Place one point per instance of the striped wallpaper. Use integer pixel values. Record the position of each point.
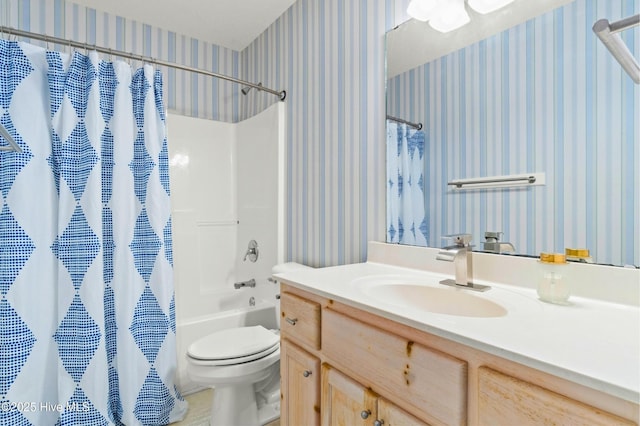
(185, 93)
(545, 96)
(327, 54)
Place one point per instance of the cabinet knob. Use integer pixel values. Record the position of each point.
(378, 423)
(291, 321)
(365, 414)
(306, 373)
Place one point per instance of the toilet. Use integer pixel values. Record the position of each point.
(243, 365)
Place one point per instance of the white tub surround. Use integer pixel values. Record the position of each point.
(594, 342)
(227, 185)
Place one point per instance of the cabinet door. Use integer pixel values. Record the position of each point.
(392, 415)
(345, 402)
(300, 386)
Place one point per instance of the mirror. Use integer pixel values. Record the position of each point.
(526, 89)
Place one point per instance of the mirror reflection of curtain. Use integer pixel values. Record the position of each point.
(406, 219)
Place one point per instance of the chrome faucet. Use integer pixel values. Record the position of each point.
(249, 283)
(457, 254)
(493, 243)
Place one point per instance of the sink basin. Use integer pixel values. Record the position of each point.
(449, 301)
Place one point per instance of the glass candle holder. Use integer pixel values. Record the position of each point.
(552, 285)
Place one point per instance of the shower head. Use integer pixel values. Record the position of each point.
(246, 89)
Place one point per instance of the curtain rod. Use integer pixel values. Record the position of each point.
(282, 94)
(607, 33)
(417, 126)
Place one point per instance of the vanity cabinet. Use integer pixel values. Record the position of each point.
(389, 372)
(299, 360)
(346, 402)
(508, 400)
(428, 383)
(368, 374)
(300, 377)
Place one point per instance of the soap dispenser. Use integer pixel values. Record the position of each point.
(552, 285)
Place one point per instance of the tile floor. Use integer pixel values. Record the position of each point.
(200, 410)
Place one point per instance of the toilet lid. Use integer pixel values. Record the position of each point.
(235, 345)
(236, 361)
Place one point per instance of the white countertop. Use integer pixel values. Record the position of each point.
(590, 342)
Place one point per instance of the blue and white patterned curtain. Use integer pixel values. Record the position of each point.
(406, 219)
(87, 323)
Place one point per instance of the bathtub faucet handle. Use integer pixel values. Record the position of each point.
(252, 251)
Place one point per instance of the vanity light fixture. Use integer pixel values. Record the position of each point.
(451, 16)
(448, 15)
(423, 10)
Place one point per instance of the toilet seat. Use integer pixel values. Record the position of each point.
(234, 346)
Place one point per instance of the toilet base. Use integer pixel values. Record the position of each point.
(268, 413)
(234, 405)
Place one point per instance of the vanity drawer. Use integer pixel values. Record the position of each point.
(509, 400)
(430, 384)
(300, 319)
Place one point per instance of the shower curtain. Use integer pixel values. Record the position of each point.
(87, 323)
(406, 218)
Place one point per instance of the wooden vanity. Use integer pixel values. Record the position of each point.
(341, 365)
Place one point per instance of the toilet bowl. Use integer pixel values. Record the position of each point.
(243, 366)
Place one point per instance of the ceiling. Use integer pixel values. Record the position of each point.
(229, 23)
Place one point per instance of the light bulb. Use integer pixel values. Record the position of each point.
(423, 10)
(451, 16)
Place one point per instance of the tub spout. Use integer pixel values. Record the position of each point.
(249, 283)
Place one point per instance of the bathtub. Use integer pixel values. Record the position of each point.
(264, 314)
